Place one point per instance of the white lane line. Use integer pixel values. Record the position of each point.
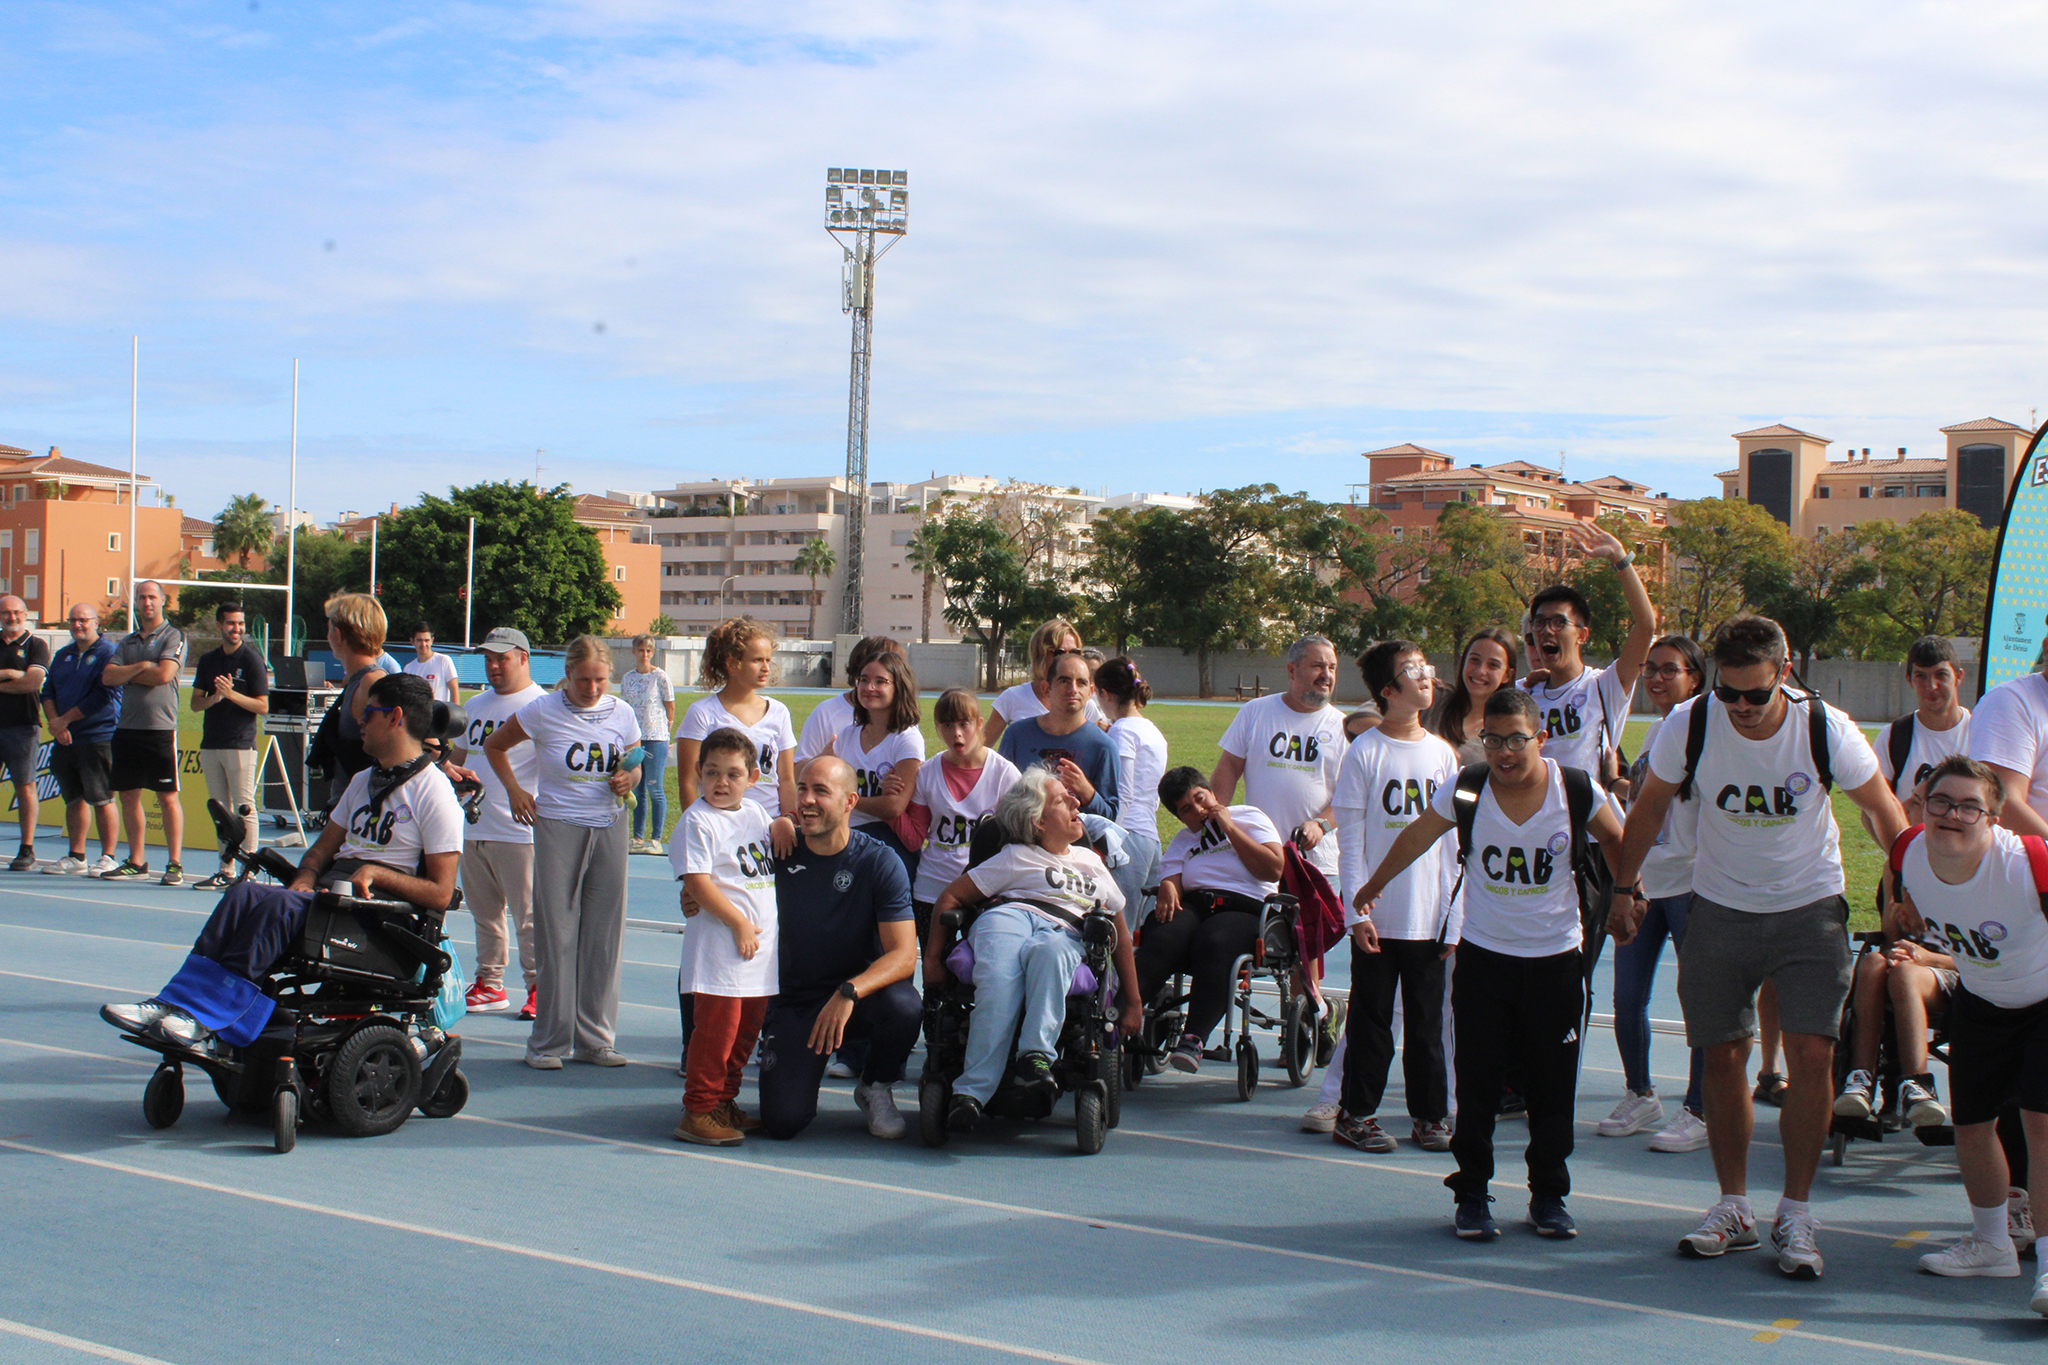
(1227, 1243)
(66, 981)
(103, 938)
(557, 1258)
(469, 1038)
(79, 1344)
(1394, 1169)
(74, 1052)
(98, 900)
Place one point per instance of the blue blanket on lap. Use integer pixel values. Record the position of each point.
(232, 1006)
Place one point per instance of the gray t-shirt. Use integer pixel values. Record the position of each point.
(144, 707)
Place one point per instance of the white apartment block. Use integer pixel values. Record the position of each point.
(729, 546)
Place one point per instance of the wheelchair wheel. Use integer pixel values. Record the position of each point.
(1298, 1040)
(447, 1101)
(373, 1082)
(163, 1099)
(1838, 1147)
(1133, 1066)
(1091, 1117)
(1109, 1073)
(933, 1096)
(1247, 1068)
(284, 1120)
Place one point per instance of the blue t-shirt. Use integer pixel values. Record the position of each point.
(827, 908)
(74, 682)
(1093, 752)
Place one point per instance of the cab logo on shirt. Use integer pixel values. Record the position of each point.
(1406, 796)
(371, 828)
(1514, 866)
(1294, 748)
(1756, 806)
(1563, 720)
(479, 731)
(1074, 883)
(868, 782)
(755, 860)
(593, 758)
(1979, 944)
(951, 831)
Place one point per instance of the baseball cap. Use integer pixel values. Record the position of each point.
(505, 638)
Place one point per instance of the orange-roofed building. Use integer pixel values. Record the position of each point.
(64, 533)
(632, 560)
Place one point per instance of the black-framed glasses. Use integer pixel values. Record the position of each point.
(1964, 812)
(1665, 670)
(1755, 696)
(1553, 622)
(1514, 744)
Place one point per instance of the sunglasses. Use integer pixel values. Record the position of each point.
(1755, 696)
(1964, 812)
(369, 711)
(1514, 744)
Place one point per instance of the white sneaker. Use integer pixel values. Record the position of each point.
(1633, 1115)
(107, 863)
(636, 845)
(1321, 1118)
(70, 865)
(654, 846)
(1796, 1237)
(1858, 1097)
(1972, 1257)
(2019, 1219)
(838, 1070)
(878, 1102)
(1685, 1133)
(2039, 1303)
(1725, 1228)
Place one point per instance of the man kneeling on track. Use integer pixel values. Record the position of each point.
(1216, 875)
(396, 834)
(1977, 886)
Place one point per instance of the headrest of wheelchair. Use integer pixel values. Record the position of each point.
(985, 842)
(450, 722)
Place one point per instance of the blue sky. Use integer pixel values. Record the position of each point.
(1167, 246)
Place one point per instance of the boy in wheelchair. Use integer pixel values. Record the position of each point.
(1048, 905)
(1916, 982)
(395, 835)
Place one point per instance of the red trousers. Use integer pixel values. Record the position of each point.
(723, 1029)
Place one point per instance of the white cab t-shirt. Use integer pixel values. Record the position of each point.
(871, 766)
(1991, 924)
(1767, 839)
(1204, 859)
(421, 817)
(1140, 763)
(731, 847)
(1021, 703)
(1075, 881)
(1519, 894)
(577, 751)
(1382, 786)
(1290, 765)
(487, 710)
(952, 827)
(1667, 867)
(439, 672)
(827, 719)
(1583, 718)
(773, 735)
(1928, 748)
(2009, 728)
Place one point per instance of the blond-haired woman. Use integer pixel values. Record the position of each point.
(582, 739)
(355, 633)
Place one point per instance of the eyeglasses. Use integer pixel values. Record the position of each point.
(1514, 744)
(1965, 812)
(1419, 672)
(369, 711)
(1755, 696)
(1665, 670)
(1552, 623)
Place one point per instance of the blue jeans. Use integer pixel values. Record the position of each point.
(1023, 965)
(1635, 971)
(653, 794)
(1134, 876)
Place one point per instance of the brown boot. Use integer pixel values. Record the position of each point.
(732, 1116)
(709, 1130)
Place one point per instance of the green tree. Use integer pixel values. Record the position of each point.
(988, 593)
(243, 529)
(1804, 591)
(662, 624)
(1719, 542)
(536, 569)
(1600, 585)
(815, 560)
(919, 555)
(1472, 576)
(1930, 576)
(1117, 601)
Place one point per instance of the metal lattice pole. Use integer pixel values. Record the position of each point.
(862, 204)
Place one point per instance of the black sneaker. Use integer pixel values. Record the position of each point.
(1474, 1221)
(1547, 1216)
(964, 1114)
(125, 871)
(1920, 1102)
(23, 860)
(174, 874)
(1032, 1075)
(1513, 1103)
(219, 881)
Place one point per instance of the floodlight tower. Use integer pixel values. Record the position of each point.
(860, 206)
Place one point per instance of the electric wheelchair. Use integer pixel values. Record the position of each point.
(1086, 1064)
(366, 995)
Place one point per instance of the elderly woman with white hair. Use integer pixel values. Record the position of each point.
(1027, 942)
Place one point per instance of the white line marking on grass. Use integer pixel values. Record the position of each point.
(79, 1344)
(556, 1258)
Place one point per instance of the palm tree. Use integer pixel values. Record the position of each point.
(243, 528)
(815, 560)
(918, 554)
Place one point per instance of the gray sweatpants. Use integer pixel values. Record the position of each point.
(497, 878)
(579, 931)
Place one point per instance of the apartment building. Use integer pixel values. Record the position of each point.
(631, 560)
(64, 533)
(1411, 485)
(1790, 474)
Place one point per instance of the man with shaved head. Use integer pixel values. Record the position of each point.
(849, 946)
(146, 665)
(24, 662)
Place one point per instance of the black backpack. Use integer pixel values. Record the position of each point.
(1816, 736)
(1900, 744)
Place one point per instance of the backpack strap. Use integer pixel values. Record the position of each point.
(1900, 744)
(1695, 742)
(1465, 805)
(1578, 804)
(1817, 739)
(2037, 858)
(1912, 832)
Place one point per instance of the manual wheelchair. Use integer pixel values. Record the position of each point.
(1086, 1062)
(1885, 1117)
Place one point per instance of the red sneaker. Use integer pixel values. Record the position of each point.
(527, 1011)
(482, 999)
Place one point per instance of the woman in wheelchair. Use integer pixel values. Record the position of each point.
(1027, 942)
(395, 835)
(1218, 872)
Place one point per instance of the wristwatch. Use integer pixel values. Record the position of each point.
(1625, 561)
(850, 991)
